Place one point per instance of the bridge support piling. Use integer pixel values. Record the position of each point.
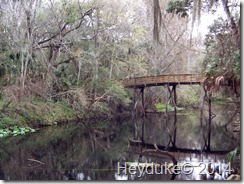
(134, 101)
(143, 131)
(168, 98)
(169, 95)
(143, 102)
(206, 97)
(167, 114)
(203, 96)
(175, 114)
(209, 121)
(134, 115)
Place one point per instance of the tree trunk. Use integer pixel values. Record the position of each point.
(233, 24)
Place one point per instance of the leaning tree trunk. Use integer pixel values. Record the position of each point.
(234, 25)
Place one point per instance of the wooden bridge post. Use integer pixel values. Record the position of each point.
(166, 114)
(142, 101)
(203, 96)
(175, 95)
(143, 131)
(209, 121)
(168, 96)
(135, 129)
(175, 114)
(134, 115)
(134, 101)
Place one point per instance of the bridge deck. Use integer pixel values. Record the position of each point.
(160, 80)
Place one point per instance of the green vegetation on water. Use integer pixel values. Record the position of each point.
(15, 131)
(161, 107)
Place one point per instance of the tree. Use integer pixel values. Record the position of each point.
(231, 7)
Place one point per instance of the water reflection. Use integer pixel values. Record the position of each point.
(91, 150)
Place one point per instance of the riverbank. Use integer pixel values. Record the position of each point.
(34, 113)
(37, 113)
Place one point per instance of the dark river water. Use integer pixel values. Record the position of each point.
(91, 150)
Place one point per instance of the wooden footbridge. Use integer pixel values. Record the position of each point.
(170, 81)
(161, 80)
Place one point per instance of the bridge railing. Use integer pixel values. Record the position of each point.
(164, 79)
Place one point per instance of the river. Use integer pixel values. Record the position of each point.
(91, 150)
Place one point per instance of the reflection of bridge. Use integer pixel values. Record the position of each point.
(170, 81)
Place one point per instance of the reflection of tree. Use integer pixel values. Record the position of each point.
(92, 151)
(66, 152)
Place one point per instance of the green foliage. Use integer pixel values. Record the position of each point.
(114, 96)
(234, 158)
(220, 47)
(219, 99)
(102, 108)
(34, 113)
(161, 107)
(84, 52)
(180, 7)
(15, 131)
(72, 11)
(66, 76)
(117, 93)
(188, 95)
(233, 155)
(49, 112)
(6, 121)
(237, 64)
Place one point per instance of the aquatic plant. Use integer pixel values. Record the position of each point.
(15, 131)
(161, 107)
